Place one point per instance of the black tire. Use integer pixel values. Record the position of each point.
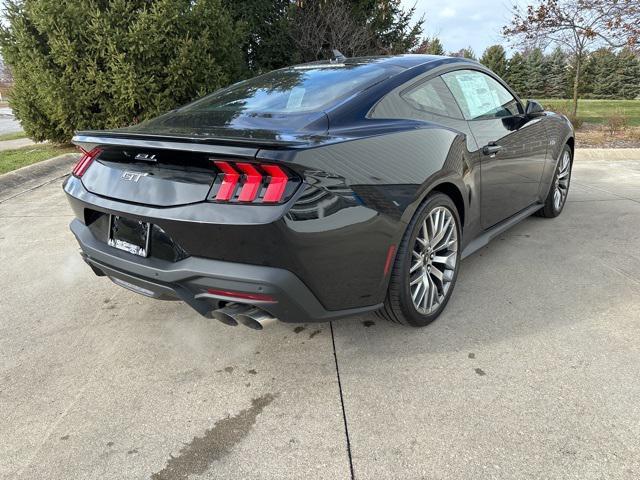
(398, 305)
(550, 208)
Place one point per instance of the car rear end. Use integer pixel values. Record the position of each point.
(212, 228)
(234, 203)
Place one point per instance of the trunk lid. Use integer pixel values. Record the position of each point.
(162, 178)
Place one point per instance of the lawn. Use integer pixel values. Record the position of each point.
(598, 111)
(14, 159)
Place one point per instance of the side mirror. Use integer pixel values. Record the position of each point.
(533, 108)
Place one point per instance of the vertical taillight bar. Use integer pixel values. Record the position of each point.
(229, 181)
(277, 185)
(252, 182)
(85, 162)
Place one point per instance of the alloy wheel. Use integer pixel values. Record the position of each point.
(434, 260)
(562, 181)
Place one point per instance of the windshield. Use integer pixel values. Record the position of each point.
(292, 90)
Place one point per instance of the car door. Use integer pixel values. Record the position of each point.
(512, 146)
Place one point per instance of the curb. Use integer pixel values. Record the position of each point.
(33, 176)
(586, 154)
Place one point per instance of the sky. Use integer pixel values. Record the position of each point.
(463, 23)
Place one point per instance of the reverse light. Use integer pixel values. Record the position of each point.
(85, 162)
(258, 297)
(243, 182)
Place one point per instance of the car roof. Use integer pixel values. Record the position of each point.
(404, 61)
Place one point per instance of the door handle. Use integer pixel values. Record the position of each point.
(491, 149)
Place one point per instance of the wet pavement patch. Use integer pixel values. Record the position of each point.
(196, 457)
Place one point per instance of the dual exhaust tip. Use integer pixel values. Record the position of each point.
(249, 316)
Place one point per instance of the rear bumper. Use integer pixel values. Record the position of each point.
(190, 279)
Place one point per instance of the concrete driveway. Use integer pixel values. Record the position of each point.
(532, 372)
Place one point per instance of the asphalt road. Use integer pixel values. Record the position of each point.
(532, 372)
(8, 123)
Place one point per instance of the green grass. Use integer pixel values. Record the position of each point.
(21, 157)
(12, 136)
(597, 111)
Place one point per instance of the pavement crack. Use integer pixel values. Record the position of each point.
(622, 197)
(344, 412)
(198, 455)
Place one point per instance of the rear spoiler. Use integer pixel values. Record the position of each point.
(87, 140)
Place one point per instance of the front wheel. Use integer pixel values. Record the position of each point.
(557, 197)
(426, 266)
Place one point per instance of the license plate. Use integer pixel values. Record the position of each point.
(129, 235)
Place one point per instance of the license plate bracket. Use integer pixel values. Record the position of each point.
(129, 235)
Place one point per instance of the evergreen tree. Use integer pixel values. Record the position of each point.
(601, 78)
(465, 53)
(267, 44)
(628, 70)
(495, 59)
(92, 64)
(390, 26)
(430, 46)
(517, 73)
(555, 84)
(536, 72)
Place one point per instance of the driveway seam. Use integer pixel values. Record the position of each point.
(344, 412)
(606, 191)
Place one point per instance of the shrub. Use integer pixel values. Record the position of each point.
(616, 123)
(564, 108)
(91, 64)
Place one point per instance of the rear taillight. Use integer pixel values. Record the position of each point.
(85, 162)
(242, 182)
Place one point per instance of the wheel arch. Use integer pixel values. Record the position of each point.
(572, 144)
(448, 186)
(453, 192)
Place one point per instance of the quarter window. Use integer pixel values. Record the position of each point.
(433, 96)
(480, 96)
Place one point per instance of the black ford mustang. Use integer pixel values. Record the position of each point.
(319, 191)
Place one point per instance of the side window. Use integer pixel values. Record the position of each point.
(433, 96)
(480, 96)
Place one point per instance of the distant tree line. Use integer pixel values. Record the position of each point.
(606, 73)
(578, 27)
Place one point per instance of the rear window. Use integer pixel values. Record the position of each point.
(295, 89)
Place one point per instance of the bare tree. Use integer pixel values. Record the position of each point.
(577, 26)
(320, 26)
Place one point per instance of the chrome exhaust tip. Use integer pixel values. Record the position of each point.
(227, 313)
(255, 319)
